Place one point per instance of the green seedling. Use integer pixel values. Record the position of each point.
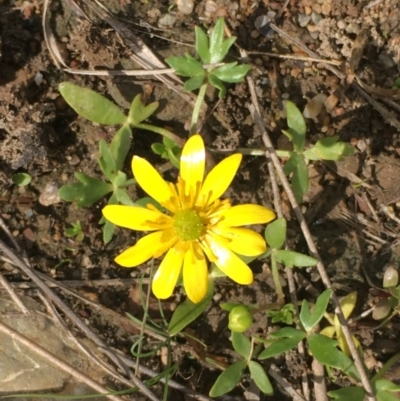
(168, 150)
(325, 149)
(396, 84)
(98, 109)
(275, 235)
(211, 50)
(21, 179)
(231, 376)
(324, 349)
(76, 230)
(284, 315)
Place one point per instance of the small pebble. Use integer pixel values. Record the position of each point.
(185, 6)
(317, 8)
(73, 160)
(217, 297)
(304, 20)
(353, 28)
(314, 106)
(49, 196)
(167, 20)
(341, 24)
(316, 18)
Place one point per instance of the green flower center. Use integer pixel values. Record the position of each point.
(188, 225)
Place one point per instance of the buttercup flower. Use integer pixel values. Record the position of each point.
(198, 225)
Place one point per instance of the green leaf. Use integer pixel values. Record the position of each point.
(21, 179)
(241, 344)
(297, 124)
(186, 66)
(159, 149)
(228, 379)
(231, 73)
(108, 231)
(91, 105)
(106, 161)
(194, 83)
(187, 311)
(202, 45)
(275, 233)
(309, 320)
(120, 145)
(138, 112)
(218, 47)
(217, 83)
(259, 376)
(299, 179)
(348, 393)
(325, 351)
(287, 338)
(331, 149)
(291, 258)
(85, 192)
(122, 197)
(386, 396)
(386, 385)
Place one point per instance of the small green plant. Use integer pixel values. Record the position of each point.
(76, 230)
(231, 376)
(325, 149)
(396, 84)
(21, 179)
(211, 50)
(275, 235)
(168, 150)
(98, 109)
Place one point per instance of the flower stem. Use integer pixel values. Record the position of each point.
(197, 107)
(276, 279)
(161, 131)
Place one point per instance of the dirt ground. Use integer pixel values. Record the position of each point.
(42, 136)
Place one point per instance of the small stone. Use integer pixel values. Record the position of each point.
(316, 18)
(307, 10)
(353, 28)
(341, 24)
(361, 145)
(317, 8)
(50, 196)
(304, 20)
(326, 8)
(185, 6)
(353, 12)
(314, 106)
(331, 102)
(217, 297)
(73, 160)
(167, 20)
(386, 60)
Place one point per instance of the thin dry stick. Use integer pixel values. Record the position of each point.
(278, 208)
(14, 296)
(273, 372)
(65, 367)
(314, 251)
(17, 261)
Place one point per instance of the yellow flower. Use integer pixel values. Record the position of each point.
(198, 224)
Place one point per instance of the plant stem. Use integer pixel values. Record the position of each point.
(197, 107)
(161, 131)
(277, 282)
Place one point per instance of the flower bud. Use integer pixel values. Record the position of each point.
(240, 319)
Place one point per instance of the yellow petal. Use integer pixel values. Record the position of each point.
(193, 164)
(195, 273)
(167, 275)
(242, 240)
(151, 181)
(328, 331)
(142, 251)
(242, 215)
(136, 218)
(229, 263)
(219, 179)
